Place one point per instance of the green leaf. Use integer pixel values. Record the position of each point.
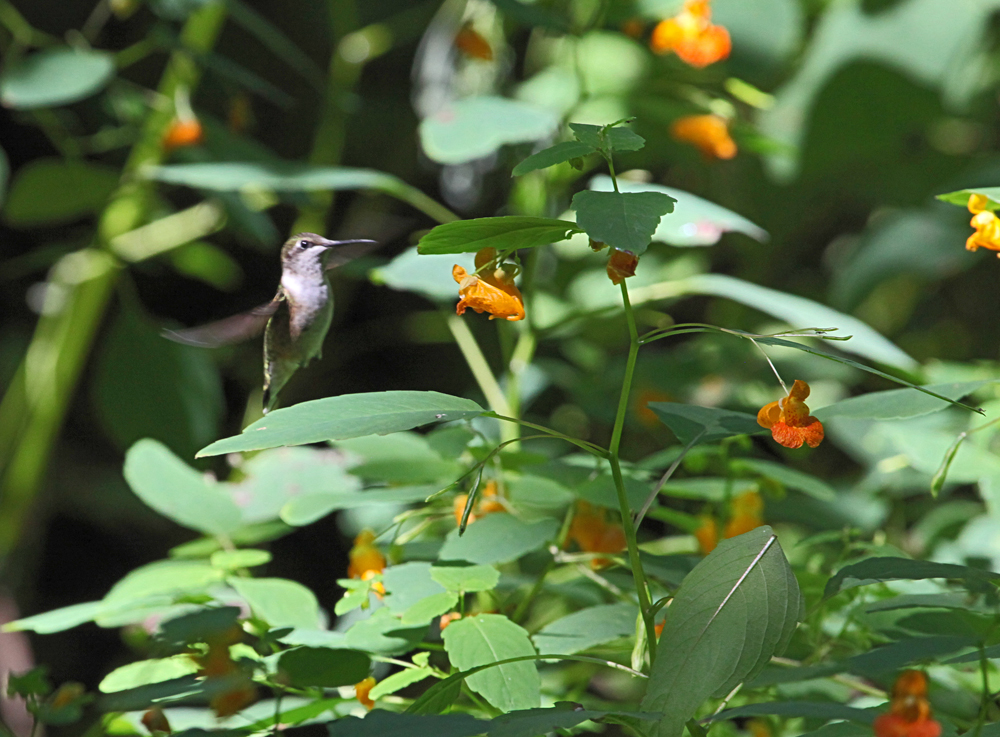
(174, 489)
(809, 709)
(231, 560)
(57, 620)
(279, 602)
(54, 77)
(881, 661)
(323, 667)
(606, 138)
(625, 221)
(429, 276)
(477, 126)
(531, 722)
(199, 626)
(553, 155)
(900, 404)
(800, 312)
(408, 583)
(502, 233)
(379, 723)
(439, 697)
(736, 609)
(881, 569)
(691, 423)
(790, 477)
(426, 609)
(399, 681)
(163, 577)
(147, 671)
(306, 509)
(961, 197)
(694, 221)
(148, 387)
(53, 191)
(383, 634)
(497, 538)
(601, 490)
(587, 628)
(466, 578)
(346, 416)
(488, 638)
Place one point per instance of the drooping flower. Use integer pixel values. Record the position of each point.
(621, 265)
(986, 223)
(490, 291)
(789, 420)
(366, 560)
(591, 530)
(362, 689)
(691, 35)
(182, 133)
(471, 43)
(909, 711)
(708, 133)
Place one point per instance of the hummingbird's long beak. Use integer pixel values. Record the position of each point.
(331, 244)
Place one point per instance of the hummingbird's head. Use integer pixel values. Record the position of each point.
(306, 251)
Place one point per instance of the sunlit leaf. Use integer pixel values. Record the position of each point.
(884, 568)
(278, 601)
(497, 538)
(899, 404)
(625, 221)
(501, 233)
(55, 76)
(466, 578)
(145, 672)
(961, 197)
(587, 628)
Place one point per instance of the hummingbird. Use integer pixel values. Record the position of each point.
(296, 320)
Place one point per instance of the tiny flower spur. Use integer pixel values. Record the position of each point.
(789, 420)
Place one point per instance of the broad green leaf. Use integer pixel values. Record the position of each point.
(531, 722)
(924, 601)
(787, 476)
(429, 276)
(587, 628)
(174, 489)
(670, 569)
(466, 578)
(625, 221)
(502, 233)
(383, 634)
(477, 126)
(379, 723)
(148, 387)
(56, 76)
(961, 197)
(53, 191)
(426, 609)
(884, 568)
(882, 661)
(899, 404)
(537, 496)
(800, 312)
(199, 626)
(711, 489)
(306, 509)
(694, 424)
(736, 609)
(497, 538)
(399, 681)
(694, 221)
(56, 620)
(608, 139)
(553, 155)
(408, 583)
(324, 667)
(147, 671)
(809, 709)
(439, 697)
(232, 560)
(279, 602)
(346, 416)
(173, 577)
(488, 638)
(601, 490)
(208, 263)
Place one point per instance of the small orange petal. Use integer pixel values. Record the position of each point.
(812, 432)
(790, 437)
(362, 689)
(768, 415)
(708, 133)
(800, 390)
(707, 535)
(621, 265)
(742, 523)
(978, 203)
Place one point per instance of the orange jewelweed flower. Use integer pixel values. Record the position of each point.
(471, 43)
(747, 513)
(909, 711)
(621, 265)
(362, 690)
(691, 35)
(447, 619)
(365, 558)
(707, 534)
(594, 534)
(708, 133)
(789, 420)
(986, 223)
(183, 133)
(490, 291)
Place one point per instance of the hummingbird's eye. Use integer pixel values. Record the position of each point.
(303, 244)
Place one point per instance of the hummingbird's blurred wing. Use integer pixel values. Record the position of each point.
(228, 330)
(351, 250)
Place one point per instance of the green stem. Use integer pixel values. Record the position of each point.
(638, 574)
(481, 372)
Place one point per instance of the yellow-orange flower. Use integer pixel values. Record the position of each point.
(707, 534)
(708, 133)
(746, 513)
(491, 291)
(986, 223)
(909, 711)
(362, 690)
(641, 405)
(594, 534)
(789, 420)
(365, 559)
(691, 35)
(471, 43)
(621, 265)
(183, 133)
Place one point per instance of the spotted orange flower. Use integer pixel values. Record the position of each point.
(491, 291)
(708, 133)
(183, 133)
(366, 560)
(362, 689)
(691, 35)
(594, 534)
(986, 223)
(909, 711)
(621, 265)
(471, 43)
(789, 420)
